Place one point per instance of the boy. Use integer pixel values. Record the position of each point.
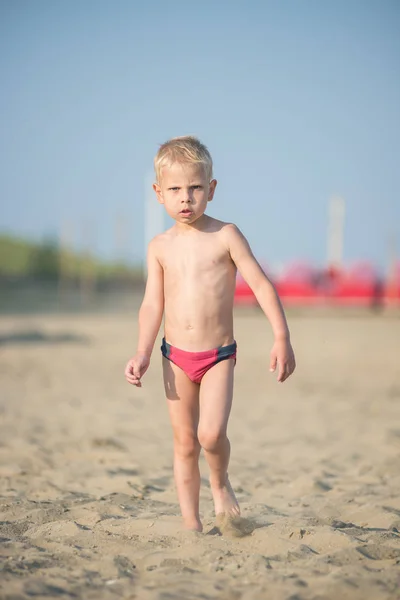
(191, 278)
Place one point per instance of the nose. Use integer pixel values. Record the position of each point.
(186, 196)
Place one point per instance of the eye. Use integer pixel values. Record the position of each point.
(197, 187)
(174, 189)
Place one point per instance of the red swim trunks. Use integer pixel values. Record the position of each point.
(196, 364)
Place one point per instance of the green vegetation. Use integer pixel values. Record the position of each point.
(20, 258)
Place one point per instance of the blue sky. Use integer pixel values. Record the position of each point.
(297, 100)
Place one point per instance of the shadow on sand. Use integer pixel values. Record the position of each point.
(38, 337)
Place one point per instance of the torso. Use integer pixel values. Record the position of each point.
(199, 286)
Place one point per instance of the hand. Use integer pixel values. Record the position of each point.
(136, 368)
(283, 355)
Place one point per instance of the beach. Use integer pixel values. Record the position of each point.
(88, 505)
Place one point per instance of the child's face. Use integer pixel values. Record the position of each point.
(184, 190)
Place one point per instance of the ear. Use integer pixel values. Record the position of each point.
(211, 190)
(158, 192)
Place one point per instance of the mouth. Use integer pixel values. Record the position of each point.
(186, 212)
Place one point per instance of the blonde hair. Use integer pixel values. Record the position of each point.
(185, 150)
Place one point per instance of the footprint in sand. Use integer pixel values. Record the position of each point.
(234, 525)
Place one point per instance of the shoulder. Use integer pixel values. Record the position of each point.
(161, 239)
(236, 243)
(231, 233)
(231, 229)
(228, 233)
(223, 228)
(157, 245)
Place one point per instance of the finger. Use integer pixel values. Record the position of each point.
(288, 372)
(136, 371)
(272, 364)
(282, 372)
(290, 368)
(128, 370)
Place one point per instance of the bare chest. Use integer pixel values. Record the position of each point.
(191, 262)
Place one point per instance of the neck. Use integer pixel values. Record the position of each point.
(197, 225)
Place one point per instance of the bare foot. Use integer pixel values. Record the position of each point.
(234, 525)
(224, 498)
(192, 525)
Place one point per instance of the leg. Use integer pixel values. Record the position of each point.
(183, 405)
(216, 391)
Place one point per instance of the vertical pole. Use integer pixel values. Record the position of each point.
(121, 246)
(65, 244)
(153, 217)
(87, 267)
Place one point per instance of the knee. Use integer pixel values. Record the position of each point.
(186, 445)
(211, 441)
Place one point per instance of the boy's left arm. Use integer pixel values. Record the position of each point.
(241, 254)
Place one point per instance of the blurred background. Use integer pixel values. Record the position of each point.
(298, 103)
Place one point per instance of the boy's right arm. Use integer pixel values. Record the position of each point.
(150, 316)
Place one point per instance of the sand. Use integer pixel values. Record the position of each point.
(87, 500)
